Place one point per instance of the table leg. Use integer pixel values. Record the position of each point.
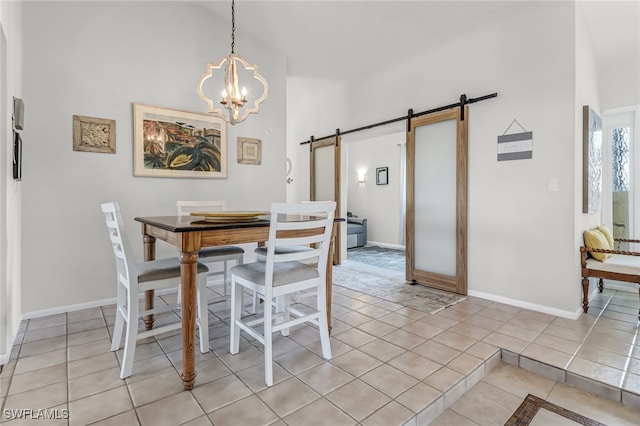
(329, 284)
(149, 254)
(189, 277)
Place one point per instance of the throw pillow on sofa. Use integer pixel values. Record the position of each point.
(607, 234)
(596, 239)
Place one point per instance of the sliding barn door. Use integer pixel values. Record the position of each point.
(325, 179)
(437, 201)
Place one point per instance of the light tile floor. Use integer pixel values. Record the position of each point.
(391, 366)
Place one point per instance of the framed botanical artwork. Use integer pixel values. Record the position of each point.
(177, 143)
(92, 134)
(249, 151)
(382, 176)
(592, 161)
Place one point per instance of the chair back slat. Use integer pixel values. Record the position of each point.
(298, 255)
(301, 241)
(301, 222)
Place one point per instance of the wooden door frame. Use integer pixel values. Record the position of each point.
(458, 283)
(314, 145)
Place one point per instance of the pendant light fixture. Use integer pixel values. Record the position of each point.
(233, 96)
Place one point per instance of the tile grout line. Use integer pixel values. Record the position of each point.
(629, 354)
(465, 378)
(565, 370)
(443, 394)
(598, 317)
(581, 345)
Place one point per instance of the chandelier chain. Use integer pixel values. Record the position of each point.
(233, 25)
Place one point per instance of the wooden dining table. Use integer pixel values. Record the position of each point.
(189, 234)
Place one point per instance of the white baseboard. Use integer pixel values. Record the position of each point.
(81, 306)
(68, 308)
(527, 305)
(386, 245)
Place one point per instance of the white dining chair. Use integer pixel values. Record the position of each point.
(261, 255)
(133, 279)
(282, 274)
(217, 254)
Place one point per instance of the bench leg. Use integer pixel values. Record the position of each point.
(600, 285)
(585, 294)
(639, 298)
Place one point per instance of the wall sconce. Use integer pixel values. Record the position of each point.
(361, 174)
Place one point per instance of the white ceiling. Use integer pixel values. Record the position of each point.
(340, 38)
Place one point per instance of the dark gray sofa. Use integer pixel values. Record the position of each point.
(356, 232)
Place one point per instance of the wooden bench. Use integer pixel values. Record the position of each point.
(621, 266)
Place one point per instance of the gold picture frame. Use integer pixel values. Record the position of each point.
(178, 143)
(249, 151)
(91, 134)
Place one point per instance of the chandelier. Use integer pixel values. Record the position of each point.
(233, 96)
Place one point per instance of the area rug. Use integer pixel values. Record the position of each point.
(390, 285)
(535, 411)
(378, 256)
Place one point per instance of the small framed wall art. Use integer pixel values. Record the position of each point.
(249, 151)
(382, 176)
(92, 134)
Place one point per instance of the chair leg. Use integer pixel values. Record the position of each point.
(130, 339)
(254, 307)
(203, 314)
(268, 343)
(118, 326)
(323, 324)
(284, 302)
(225, 284)
(585, 294)
(236, 311)
(117, 331)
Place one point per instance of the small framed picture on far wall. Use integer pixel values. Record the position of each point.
(382, 176)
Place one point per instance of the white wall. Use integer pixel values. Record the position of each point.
(515, 224)
(10, 190)
(587, 93)
(518, 230)
(620, 83)
(95, 59)
(380, 204)
(314, 108)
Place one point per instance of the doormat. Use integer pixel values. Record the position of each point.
(531, 408)
(391, 286)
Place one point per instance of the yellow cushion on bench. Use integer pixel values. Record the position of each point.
(607, 234)
(596, 239)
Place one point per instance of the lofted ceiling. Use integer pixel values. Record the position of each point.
(341, 38)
